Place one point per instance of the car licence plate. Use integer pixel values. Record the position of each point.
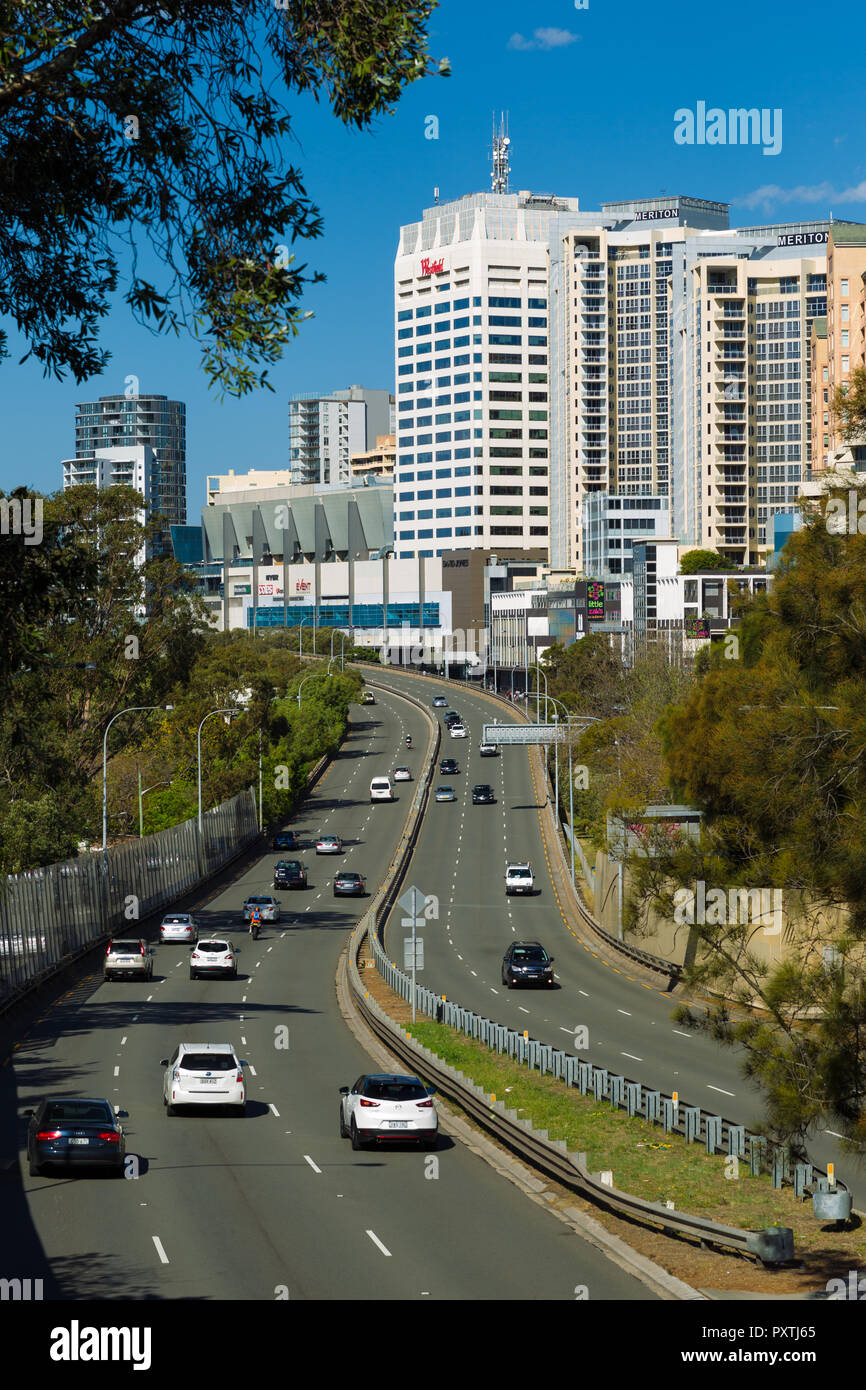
(398, 1124)
(125, 960)
(207, 1080)
(79, 1141)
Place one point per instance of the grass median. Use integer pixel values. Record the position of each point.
(644, 1160)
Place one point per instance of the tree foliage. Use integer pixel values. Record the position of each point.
(156, 130)
(696, 560)
(849, 407)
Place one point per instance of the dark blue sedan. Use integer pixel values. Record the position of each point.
(73, 1132)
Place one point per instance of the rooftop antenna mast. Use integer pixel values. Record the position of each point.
(501, 144)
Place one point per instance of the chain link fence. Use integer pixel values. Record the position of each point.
(52, 914)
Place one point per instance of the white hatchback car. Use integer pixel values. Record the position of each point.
(178, 926)
(458, 731)
(384, 1106)
(402, 774)
(213, 957)
(203, 1074)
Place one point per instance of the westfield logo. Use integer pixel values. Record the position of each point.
(429, 267)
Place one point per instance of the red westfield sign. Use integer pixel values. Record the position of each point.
(429, 267)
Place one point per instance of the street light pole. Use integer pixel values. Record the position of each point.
(141, 796)
(301, 637)
(231, 709)
(131, 709)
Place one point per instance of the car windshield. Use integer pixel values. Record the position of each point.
(519, 872)
(76, 1111)
(289, 864)
(350, 878)
(125, 948)
(395, 1090)
(531, 955)
(259, 902)
(208, 1061)
(213, 946)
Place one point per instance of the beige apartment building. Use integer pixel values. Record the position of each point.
(844, 346)
(377, 462)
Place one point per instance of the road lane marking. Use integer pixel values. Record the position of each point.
(719, 1089)
(632, 1056)
(251, 1069)
(312, 1164)
(274, 1108)
(117, 1071)
(159, 1250)
(522, 1010)
(376, 1241)
(681, 1035)
(624, 1011)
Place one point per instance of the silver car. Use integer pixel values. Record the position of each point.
(268, 907)
(178, 926)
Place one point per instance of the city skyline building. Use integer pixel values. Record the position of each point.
(125, 421)
(326, 430)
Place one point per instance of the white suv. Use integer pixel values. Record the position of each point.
(213, 957)
(519, 879)
(203, 1074)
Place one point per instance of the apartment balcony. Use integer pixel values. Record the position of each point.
(722, 287)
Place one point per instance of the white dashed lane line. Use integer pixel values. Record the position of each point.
(681, 1035)
(159, 1250)
(274, 1109)
(312, 1164)
(376, 1241)
(719, 1089)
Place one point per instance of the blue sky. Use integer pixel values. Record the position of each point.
(591, 94)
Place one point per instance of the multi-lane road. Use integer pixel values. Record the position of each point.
(276, 1205)
(461, 856)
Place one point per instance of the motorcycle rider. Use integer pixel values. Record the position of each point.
(255, 922)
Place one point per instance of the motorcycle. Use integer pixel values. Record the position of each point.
(408, 741)
(255, 928)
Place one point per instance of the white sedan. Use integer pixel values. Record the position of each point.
(458, 731)
(384, 1106)
(402, 774)
(329, 844)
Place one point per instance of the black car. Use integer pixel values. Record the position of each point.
(72, 1132)
(482, 795)
(449, 766)
(290, 873)
(286, 839)
(527, 963)
(452, 717)
(349, 885)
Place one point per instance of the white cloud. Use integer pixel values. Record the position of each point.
(769, 195)
(543, 39)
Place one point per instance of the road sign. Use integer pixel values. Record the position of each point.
(408, 943)
(522, 734)
(412, 902)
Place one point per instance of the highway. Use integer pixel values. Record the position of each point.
(276, 1204)
(461, 856)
